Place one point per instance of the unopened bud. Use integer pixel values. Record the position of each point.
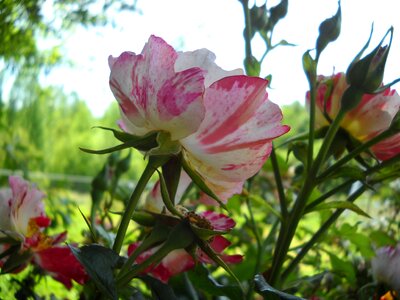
(367, 74)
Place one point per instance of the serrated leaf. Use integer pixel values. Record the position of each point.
(340, 205)
(99, 262)
(270, 293)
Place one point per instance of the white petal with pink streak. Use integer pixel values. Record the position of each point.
(153, 96)
(373, 115)
(26, 203)
(235, 137)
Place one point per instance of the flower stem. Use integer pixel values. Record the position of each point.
(318, 234)
(279, 184)
(289, 226)
(153, 164)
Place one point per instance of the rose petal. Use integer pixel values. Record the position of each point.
(388, 148)
(218, 221)
(373, 115)
(152, 96)
(62, 265)
(205, 60)
(26, 203)
(235, 137)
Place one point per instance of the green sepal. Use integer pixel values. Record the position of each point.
(206, 234)
(142, 143)
(172, 172)
(198, 180)
(180, 237)
(165, 146)
(166, 198)
(309, 67)
(158, 235)
(264, 289)
(367, 73)
(218, 260)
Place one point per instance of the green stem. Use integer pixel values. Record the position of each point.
(279, 184)
(318, 234)
(153, 164)
(288, 228)
(247, 32)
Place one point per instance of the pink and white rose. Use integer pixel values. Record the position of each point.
(223, 120)
(372, 116)
(22, 216)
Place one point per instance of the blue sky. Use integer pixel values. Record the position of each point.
(218, 26)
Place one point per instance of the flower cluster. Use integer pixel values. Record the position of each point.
(373, 115)
(22, 220)
(222, 121)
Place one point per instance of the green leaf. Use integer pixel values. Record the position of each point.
(99, 262)
(300, 151)
(339, 205)
(202, 279)
(348, 172)
(270, 293)
(381, 238)
(342, 268)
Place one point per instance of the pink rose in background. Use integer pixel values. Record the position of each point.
(223, 120)
(386, 266)
(179, 261)
(22, 217)
(372, 116)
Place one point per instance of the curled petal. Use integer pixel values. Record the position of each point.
(61, 264)
(234, 140)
